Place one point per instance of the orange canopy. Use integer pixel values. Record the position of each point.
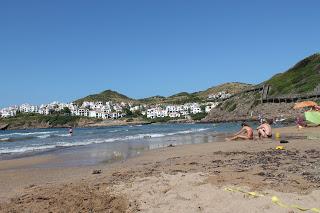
(305, 104)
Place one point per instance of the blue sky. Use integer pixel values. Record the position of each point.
(66, 49)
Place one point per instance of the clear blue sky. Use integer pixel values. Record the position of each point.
(65, 49)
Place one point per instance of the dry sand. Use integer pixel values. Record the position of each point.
(188, 178)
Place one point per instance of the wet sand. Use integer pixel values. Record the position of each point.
(187, 178)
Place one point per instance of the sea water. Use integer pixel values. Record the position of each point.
(104, 144)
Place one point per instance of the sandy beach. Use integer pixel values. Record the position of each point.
(209, 177)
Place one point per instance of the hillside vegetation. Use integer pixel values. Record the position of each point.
(107, 95)
(152, 100)
(28, 121)
(302, 78)
(179, 98)
(232, 88)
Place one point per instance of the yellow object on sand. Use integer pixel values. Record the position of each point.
(280, 148)
(277, 201)
(278, 135)
(274, 200)
(253, 194)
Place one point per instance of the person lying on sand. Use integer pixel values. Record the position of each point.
(246, 133)
(264, 130)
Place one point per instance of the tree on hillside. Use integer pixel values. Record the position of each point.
(127, 111)
(65, 111)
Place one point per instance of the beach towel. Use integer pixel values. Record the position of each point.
(313, 117)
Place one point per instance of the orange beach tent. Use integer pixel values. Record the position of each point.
(305, 104)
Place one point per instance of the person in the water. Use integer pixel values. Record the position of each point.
(70, 131)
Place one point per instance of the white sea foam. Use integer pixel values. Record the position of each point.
(25, 149)
(115, 130)
(63, 135)
(52, 135)
(43, 136)
(188, 131)
(28, 133)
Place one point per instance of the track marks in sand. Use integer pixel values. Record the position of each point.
(287, 171)
(80, 197)
(189, 193)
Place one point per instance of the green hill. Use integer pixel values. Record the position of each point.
(105, 96)
(179, 98)
(152, 100)
(302, 78)
(201, 96)
(232, 88)
(184, 97)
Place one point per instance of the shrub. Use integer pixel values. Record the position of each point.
(199, 116)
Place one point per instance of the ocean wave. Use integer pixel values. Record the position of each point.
(15, 139)
(30, 137)
(44, 136)
(25, 149)
(188, 131)
(27, 133)
(92, 141)
(54, 135)
(63, 135)
(129, 137)
(118, 130)
(115, 130)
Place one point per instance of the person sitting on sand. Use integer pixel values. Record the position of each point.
(246, 133)
(264, 130)
(315, 108)
(300, 122)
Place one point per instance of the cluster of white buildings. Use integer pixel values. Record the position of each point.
(9, 111)
(177, 111)
(107, 110)
(110, 110)
(219, 96)
(44, 109)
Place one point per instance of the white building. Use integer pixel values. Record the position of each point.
(196, 110)
(117, 108)
(44, 111)
(211, 106)
(8, 113)
(27, 108)
(174, 115)
(151, 113)
(156, 112)
(219, 95)
(134, 108)
(82, 112)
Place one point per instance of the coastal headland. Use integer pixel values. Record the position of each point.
(187, 178)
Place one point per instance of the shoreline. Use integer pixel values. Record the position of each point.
(115, 123)
(254, 165)
(98, 124)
